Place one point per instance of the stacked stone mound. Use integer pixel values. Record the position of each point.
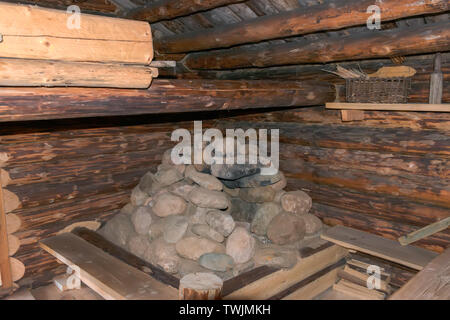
(224, 219)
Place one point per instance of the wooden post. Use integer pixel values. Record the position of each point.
(436, 82)
(5, 267)
(200, 286)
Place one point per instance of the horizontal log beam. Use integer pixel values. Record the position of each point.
(330, 16)
(374, 44)
(169, 9)
(164, 96)
(37, 73)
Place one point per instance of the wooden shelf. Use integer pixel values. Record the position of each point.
(390, 106)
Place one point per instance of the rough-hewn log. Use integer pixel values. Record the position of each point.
(40, 33)
(164, 96)
(382, 164)
(386, 207)
(328, 16)
(42, 222)
(53, 171)
(368, 45)
(378, 119)
(168, 9)
(41, 73)
(391, 230)
(410, 186)
(405, 141)
(83, 147)
(46, 193)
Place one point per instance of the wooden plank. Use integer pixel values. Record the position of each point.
(106, 275)
(37, 73)
(164, 96)
(390, 106)
(360, 278)
(413, 257)
(280, 280)
(312, 285)
(295, 22)
(97, 240)
(424, 232)
(40, 33)
(364, 45)
(432, 283)
(361, 292)
(315, 287)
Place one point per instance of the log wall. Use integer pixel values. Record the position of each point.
(65, 172)
(388, 174)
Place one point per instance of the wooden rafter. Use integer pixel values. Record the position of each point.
(169, 9)
(336, 15)
(402, 41)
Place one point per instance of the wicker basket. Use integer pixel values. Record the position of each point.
(378, 90)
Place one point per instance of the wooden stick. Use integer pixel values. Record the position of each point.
(37, 73)
(390, 106)
(200, 286)
(424, 232)
(5, 267)
(336, 15)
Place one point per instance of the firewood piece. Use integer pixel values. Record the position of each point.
(360, 278)
(31, 32)
(361, 292)
(68, 281)
(365, 45)
(294, 22)
(200, 286)
(424, 232)
(37, 73)
(436, 82)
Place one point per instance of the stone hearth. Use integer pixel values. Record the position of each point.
(224, 219)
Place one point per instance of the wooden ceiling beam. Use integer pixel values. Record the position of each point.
(330, 16)
(169, 9)
(164, 96)
(368, 45)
